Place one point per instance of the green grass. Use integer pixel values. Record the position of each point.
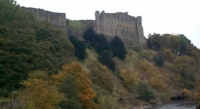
(76, 25)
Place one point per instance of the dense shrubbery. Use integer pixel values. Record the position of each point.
(145, 92)
(26, 45)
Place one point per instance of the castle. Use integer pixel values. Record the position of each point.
(53, 18)
(128, 28)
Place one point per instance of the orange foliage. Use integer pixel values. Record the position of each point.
(86, 93)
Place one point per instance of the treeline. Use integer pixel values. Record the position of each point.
(106, 49)
(180, 52)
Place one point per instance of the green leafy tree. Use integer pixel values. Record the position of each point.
(154, 41)
(70, 89)
(118, 48)
(85, 92)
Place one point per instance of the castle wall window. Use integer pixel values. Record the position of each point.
(122, 18)
(118, 17)
(139, 23)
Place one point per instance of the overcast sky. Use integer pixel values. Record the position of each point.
(159, 16)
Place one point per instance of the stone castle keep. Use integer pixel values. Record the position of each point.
(128, 28)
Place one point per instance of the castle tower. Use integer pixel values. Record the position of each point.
(127, 27)
(139, 30)
(97, 21)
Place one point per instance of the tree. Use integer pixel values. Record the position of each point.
(100, 75)
(106, 59)
(154, 41)
(130, 80)
(79, 48)
(118, 48)
(102, 44)
(184, 65)
(39, 93)
(85, 92)
(90, 36)
(70, 89)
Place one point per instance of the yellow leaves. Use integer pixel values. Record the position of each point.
(129, 79)
(39, 94)
(157, 81)
(186, 92)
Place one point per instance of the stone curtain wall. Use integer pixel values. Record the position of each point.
(127, 27)
(56, 19)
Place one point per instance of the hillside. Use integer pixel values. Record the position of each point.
(44, 68)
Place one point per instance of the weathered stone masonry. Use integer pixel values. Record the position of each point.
(128, 28)
(56, 19)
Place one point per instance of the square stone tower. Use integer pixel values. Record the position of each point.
(127, 27)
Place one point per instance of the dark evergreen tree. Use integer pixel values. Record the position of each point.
(118, 48)
(102, 44)
(106, 59)
(79, 48)
(90, 36)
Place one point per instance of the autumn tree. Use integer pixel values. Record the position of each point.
(100, 75)
(85, 92)
(39, 93)
(130, 79)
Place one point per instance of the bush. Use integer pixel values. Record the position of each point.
(145, 92)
